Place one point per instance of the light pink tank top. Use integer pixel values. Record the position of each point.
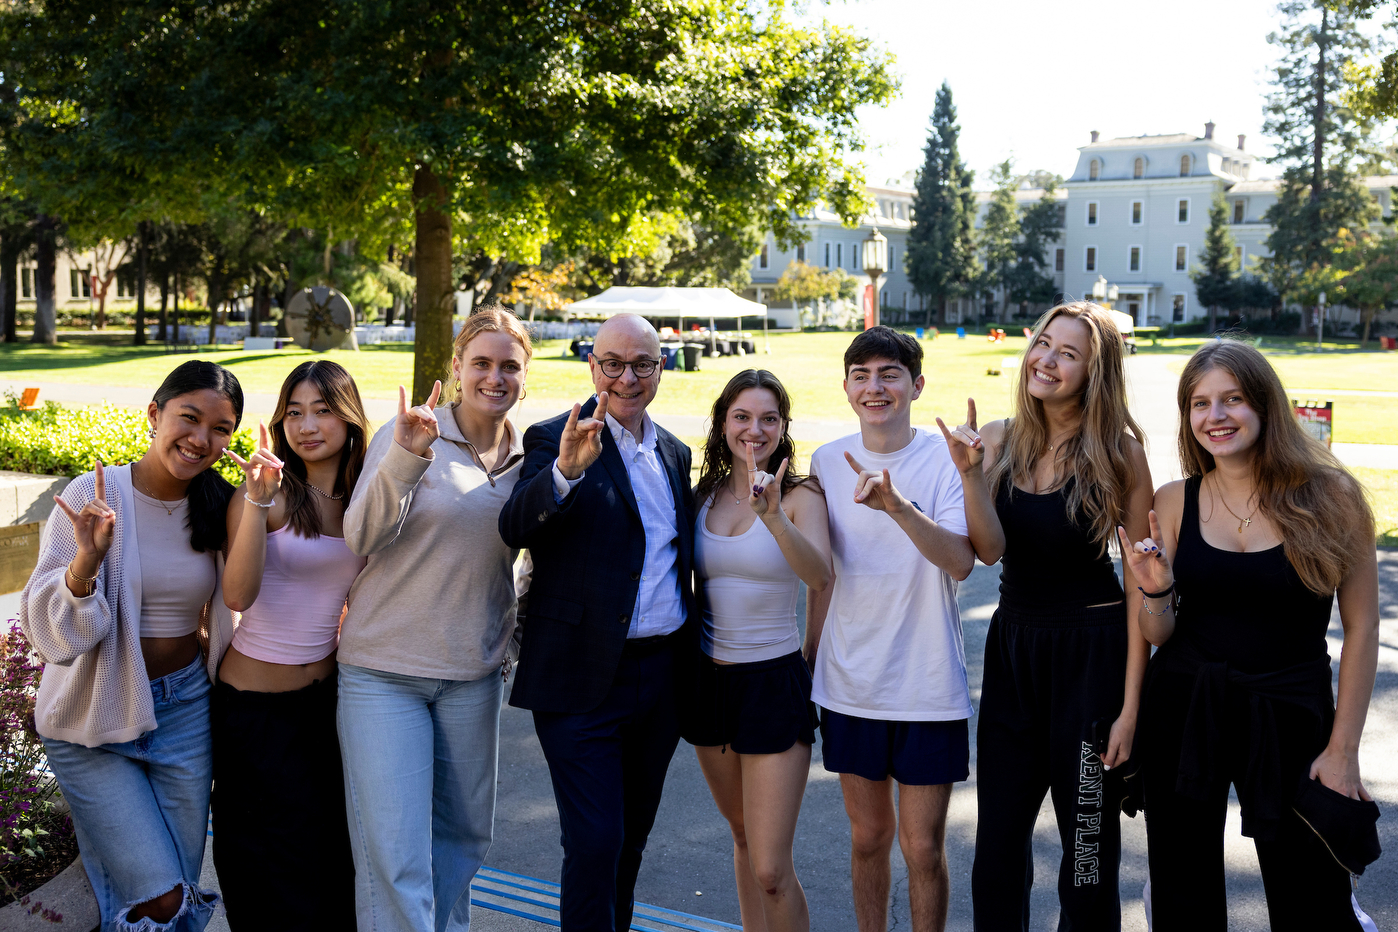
(296, 618)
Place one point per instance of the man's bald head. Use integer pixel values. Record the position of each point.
(630, 329)
(628, 339)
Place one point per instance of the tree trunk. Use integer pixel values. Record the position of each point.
(9, 283)
(163, 333)
(141, 253)
(1318, 117)
(214, 303)
(1213, 318)
(432, 254)
(45, 286)
(1367, 315)
(175, 309)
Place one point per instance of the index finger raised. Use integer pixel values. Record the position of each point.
(100, 493)
(853, 463)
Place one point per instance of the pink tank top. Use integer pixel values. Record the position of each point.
(296, 618)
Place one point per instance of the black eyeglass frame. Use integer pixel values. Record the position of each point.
(631, 364)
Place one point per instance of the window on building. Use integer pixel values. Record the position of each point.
(1177, 310)
(1183, 216)
(854, 257)
(1094, 170)
(1092, 213)
(1240, 207)
(1238, 256)
(1062, 215)
(1181, 258)
(840, 255)
(1186, 163)
(1090, 259)
(801, 253)
(1137, 211)
(762, 257)
(1139, 169)
(79, 284)
(892, 258)
(26, 283)
(827, 255)
(1135, 262)
(1058, 260)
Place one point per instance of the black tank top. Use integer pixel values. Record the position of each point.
(1050, 558)
(1250, 610)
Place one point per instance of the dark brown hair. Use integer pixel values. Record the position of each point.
(882, 342)
(718, 459)
(1318, 507)
(341, 396)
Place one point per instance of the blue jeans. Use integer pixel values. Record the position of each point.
(420, 760)
(141, 808)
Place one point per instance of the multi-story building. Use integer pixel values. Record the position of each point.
(74, 294)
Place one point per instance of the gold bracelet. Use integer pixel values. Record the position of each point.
(91, 583)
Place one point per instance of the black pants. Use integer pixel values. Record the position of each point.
(281, 837)
(608, 768)
(1307, 890)
(1052, 682)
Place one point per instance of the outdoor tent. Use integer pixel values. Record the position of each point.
(694, 303)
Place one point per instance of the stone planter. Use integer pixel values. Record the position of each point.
(68, 894)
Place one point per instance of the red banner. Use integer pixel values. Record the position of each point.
(868, 306)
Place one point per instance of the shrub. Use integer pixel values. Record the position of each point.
(58, 441)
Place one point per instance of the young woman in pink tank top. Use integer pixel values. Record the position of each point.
(281, 841)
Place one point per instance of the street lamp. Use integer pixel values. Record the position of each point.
(1101, 291)
(875, 263)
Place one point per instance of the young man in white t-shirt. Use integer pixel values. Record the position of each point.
(884, 641)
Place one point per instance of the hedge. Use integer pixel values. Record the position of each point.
(58, 441)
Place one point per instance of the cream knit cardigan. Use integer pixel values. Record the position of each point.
(95, 690)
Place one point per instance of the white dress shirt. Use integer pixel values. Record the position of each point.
(659, 605)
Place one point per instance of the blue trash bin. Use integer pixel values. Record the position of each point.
(669, 352)
(961, 333)
(584, 350)
(919, 333)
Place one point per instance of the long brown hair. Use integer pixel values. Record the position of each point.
(1096, 457)
(489, 318)
(1318, 507)
(718, 459)
(341, 396)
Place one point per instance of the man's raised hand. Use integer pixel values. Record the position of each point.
(262, 470)
(875, 489)
(581, 442)
(965, 444)
(765, 496)
(416, 428)
(94, 523)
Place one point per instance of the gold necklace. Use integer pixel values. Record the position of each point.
(147, 492)
(324, 494)
(1069, 434)
(1242, 522)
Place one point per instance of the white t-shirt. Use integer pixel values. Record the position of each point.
(892, 646)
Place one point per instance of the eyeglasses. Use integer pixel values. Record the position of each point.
(644, 368)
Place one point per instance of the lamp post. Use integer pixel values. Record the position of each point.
(1101, 291)
(875, 263)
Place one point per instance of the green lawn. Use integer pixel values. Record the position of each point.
(1383, 495)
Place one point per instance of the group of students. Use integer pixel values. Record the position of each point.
(347, 721)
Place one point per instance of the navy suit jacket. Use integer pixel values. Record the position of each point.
(588, 552)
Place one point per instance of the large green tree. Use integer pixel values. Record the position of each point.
(941, 251)
(464, 127)
(1216, 279)
(1000, 235)
(1040, 226)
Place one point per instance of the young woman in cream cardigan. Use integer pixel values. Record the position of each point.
(125, 594)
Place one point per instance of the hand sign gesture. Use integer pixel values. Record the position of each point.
(94, 525)
(416, 427)
(965, 445)
(1147, 558)
(262, 469)
(766, 491)
(581, 442)
(875, 489)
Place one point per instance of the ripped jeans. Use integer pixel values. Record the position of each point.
(141, 808)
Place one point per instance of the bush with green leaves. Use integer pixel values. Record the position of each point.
(58, 441)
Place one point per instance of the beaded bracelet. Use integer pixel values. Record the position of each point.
(248, 496)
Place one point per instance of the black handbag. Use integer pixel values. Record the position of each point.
(1346, 826)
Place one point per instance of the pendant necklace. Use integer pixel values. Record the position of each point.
(736, 501)
(147, 493)
(1242, 522)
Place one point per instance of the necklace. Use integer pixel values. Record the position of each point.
(1242, 522)
(736, 501)
(148, 494)
(1060, 443)
(324, 494)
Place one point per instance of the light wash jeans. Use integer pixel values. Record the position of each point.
(420, 758)
(141, 808)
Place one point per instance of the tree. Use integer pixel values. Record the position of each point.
(1031, 277)
(999, 235)
(941, 252)
(1216, 280)
(491, 128)
(1368, 273)
(1371, 90)
(806, 284)
(107, 259)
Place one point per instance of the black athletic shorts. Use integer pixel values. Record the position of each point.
(913, 753)
(753, 708)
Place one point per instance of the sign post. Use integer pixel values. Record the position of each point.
(1316, 419)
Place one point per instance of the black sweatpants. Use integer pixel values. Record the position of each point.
(1048, 679)
(1307, 890)
(281, 835)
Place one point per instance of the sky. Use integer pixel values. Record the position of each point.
(1031, 80)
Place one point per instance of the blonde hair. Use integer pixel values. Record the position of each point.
(1096, 457)
(490, 318)
(1317, 506)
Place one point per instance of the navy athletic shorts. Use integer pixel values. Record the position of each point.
(913, 753)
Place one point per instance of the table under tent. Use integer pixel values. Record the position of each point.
(695, 305)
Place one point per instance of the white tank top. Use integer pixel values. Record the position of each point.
(176, 580)
(750, 594)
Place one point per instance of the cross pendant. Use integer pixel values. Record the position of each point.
(1245, 523)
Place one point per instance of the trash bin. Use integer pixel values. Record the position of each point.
(919, 333)
(749, 347)
(584, 350)
(691, 357)
(669, 352)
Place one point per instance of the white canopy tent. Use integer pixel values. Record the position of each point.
(695, 303)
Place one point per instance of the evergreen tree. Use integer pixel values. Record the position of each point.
(1031, 279)
(1216, 281)
(999, 235)
(941, 252)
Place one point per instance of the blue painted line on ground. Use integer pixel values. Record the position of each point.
(546, 920)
